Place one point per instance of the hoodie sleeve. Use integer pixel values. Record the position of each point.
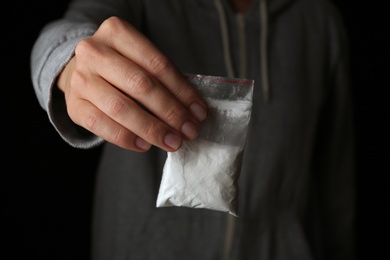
(55, 46)
(334, 163)
(51, 52)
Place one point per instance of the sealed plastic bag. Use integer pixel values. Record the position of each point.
(204, 172)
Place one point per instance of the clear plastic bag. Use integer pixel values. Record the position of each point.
(204, 172)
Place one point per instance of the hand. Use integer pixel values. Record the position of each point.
(120, 87)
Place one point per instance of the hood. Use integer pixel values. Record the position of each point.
(266, 9)
(274, 6)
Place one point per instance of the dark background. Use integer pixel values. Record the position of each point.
(46, 186)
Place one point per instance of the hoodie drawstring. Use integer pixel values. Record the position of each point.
(225, 39)
(263, 44)
(264, 48)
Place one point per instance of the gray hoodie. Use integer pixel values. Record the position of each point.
(296, 188)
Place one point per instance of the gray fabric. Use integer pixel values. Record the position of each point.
(296, 197)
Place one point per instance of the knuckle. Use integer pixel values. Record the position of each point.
(87, 50)
(110, 26)
(83, 46)
(150, 131)
(140, 84)
(88, 120)
(116, 107)
(173, 114)
(72, 112)
(78, 78)
(119, 136)
(159, 65)
(91, 122)
(186, 92)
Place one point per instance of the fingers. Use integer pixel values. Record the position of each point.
(137, 84)
(102, 125)
(115, 117)
(136, 47)
(122, 88)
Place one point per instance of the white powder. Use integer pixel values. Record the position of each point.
(201, 174)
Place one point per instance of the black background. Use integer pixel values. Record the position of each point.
(46, 186)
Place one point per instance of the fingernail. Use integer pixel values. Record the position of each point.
(190, 130)
(198, 111)
(141, 143)
(173, 140)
